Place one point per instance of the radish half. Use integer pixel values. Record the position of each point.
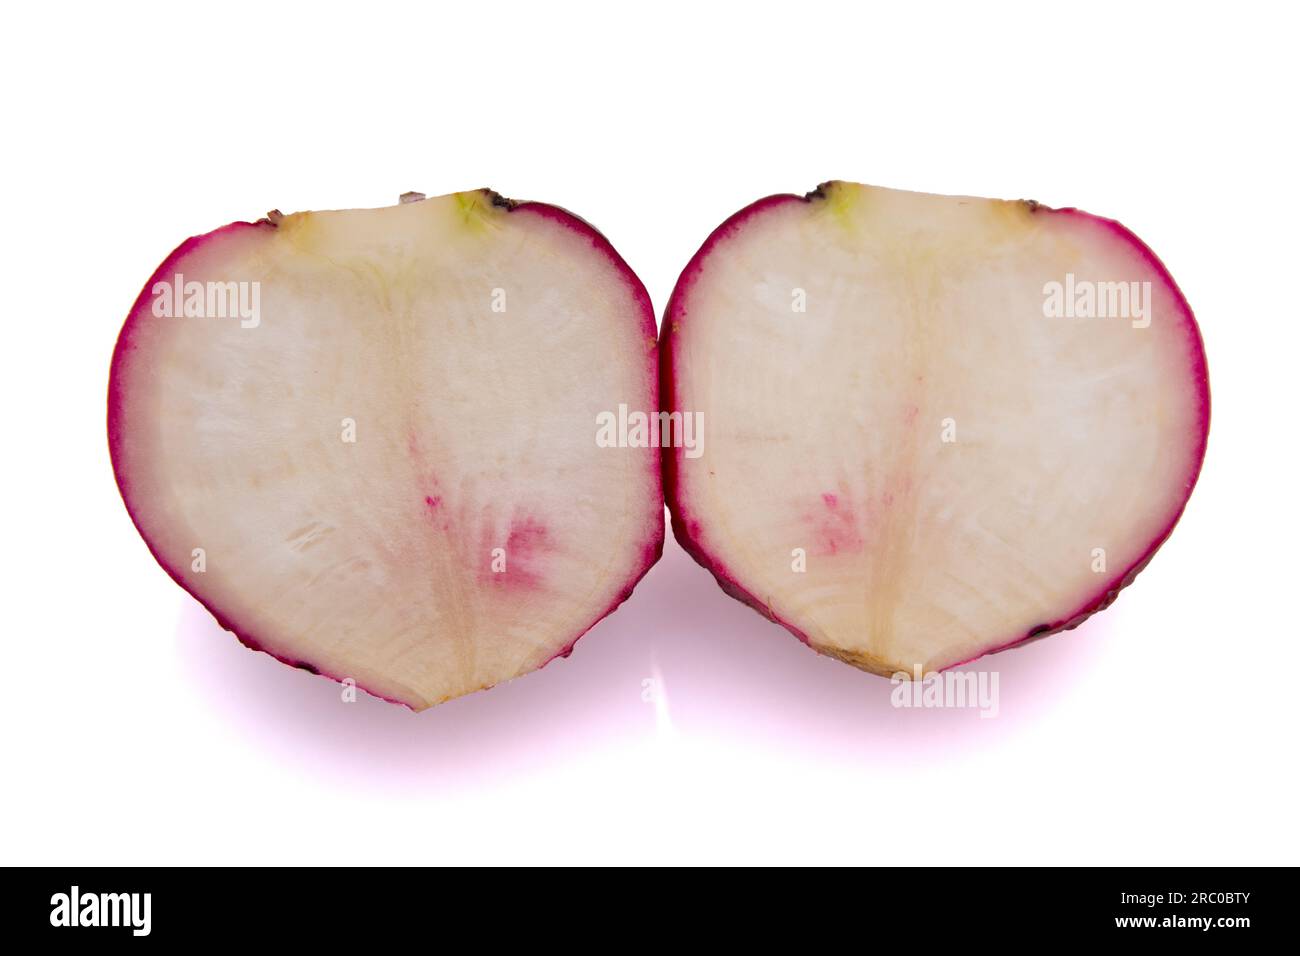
(937, 426)
(366, 440)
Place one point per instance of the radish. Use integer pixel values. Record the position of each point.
(365, 440)
(937, 426)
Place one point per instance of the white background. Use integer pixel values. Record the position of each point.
(133, 730)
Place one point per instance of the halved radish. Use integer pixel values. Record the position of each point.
(366, 439)
(937, 426)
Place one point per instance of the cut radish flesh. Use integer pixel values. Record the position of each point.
(937, 426)
(366, 439)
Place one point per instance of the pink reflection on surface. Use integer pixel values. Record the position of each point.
(728, 673)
